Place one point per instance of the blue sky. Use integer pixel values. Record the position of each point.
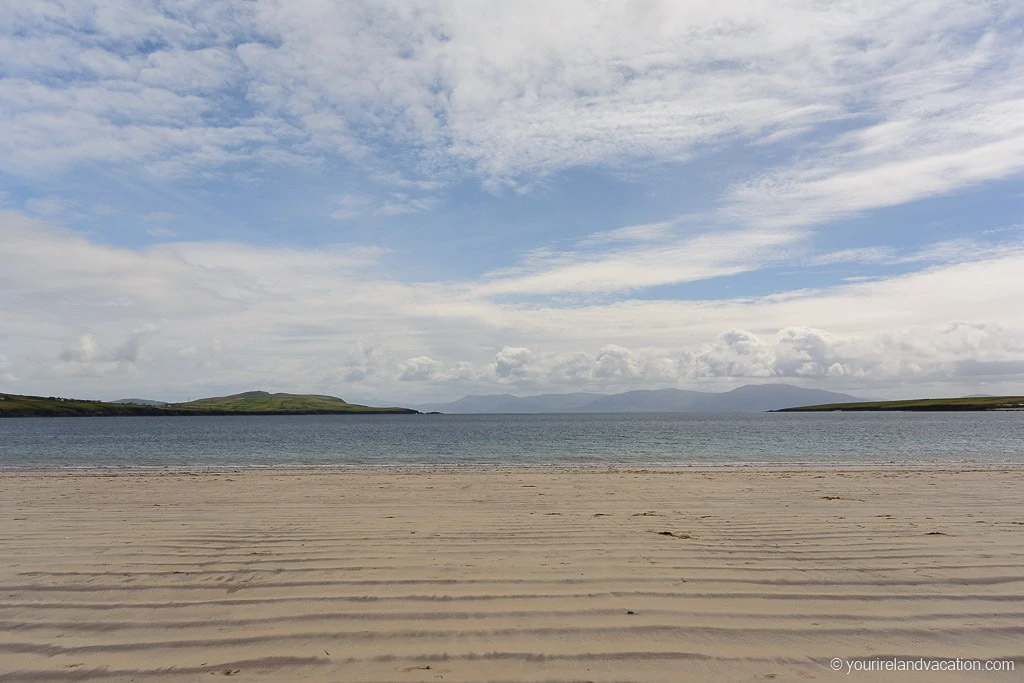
(417, 200)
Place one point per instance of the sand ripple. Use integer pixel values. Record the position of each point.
(507, 575)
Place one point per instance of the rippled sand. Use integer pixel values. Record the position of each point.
(728, 574)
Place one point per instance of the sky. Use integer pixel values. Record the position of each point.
(412, 201)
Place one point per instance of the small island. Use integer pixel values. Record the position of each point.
(970, 403)
(247, 403)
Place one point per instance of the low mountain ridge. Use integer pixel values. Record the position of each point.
(759, 398)
(507, 403)
(648, 401)
(748, 398)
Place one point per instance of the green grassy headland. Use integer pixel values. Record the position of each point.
(922, 404)
(249, 403)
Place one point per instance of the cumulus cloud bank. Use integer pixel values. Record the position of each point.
(170, 315)
(793, 353)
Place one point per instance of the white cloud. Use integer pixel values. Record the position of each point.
(49, 208)
(926, 94)
(399, 203)
(947, 252)
(81, 350)
(398, 180)
(650, 232)
(935, 128)
(683, 259)
(419, 369)
(234, 316)
(855, 255)
(84, 356)
(510, 363)
(158, 224)
(914, 355)
(130, 350)
(6, 377)
(736, 353)
(349, 206)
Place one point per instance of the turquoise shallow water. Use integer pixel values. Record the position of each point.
(514, 440)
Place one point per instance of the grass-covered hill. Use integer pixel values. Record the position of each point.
(923, 404)
(263, 402)
(13, 405)
(248, 403)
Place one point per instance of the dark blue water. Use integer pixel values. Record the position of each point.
(514, 440)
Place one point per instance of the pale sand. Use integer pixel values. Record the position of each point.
(507, 575)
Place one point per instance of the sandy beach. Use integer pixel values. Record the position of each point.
(509, 575)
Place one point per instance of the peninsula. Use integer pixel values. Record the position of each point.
(247, 403)
(969, 403)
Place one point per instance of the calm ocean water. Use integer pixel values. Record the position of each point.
(513, 440)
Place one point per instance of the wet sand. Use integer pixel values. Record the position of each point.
(509, 575)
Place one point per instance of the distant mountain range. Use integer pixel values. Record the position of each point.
(140, 402)
(751, 398)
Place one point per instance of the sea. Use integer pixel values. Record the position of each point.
(501, 441)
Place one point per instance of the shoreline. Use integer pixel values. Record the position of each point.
(541, 468)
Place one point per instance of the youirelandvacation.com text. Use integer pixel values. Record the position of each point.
(895, 664)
